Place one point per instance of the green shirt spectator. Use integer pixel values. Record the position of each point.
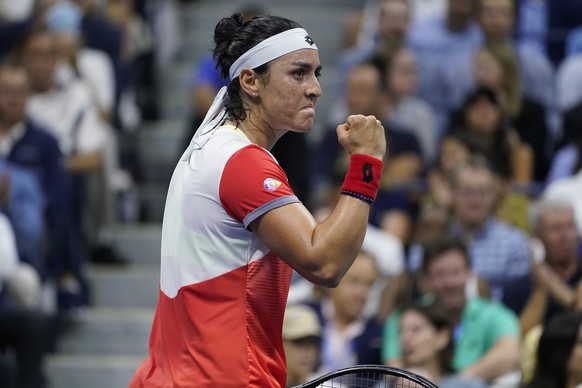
(482, 323)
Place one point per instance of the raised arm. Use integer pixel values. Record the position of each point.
(323, 252)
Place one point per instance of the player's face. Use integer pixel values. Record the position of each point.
(291, 91)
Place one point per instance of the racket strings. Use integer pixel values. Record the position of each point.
(370, 380)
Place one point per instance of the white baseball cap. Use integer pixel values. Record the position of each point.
(300, 322)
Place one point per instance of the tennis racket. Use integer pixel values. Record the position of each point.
(369, 376)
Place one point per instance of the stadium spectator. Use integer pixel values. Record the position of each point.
(302, 343)
(425, 336)
(349, 338)
(486, 334)
(555, 282)
(499, 252)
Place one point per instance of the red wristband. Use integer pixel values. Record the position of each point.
(363, 177)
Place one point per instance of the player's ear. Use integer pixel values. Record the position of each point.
(250, 82)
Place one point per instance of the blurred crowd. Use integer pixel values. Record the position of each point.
(77, 80)
(471, 270)
(473, 257)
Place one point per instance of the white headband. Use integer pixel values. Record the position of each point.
(269, 49)
(272, 48)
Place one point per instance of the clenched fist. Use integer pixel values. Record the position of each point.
(363, 135)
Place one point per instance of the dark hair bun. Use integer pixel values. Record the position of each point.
(234, 36)
(226, 29)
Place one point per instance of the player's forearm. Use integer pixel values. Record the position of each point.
(322, 252)
(337, 240)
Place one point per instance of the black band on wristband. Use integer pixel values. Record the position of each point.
(361, 197)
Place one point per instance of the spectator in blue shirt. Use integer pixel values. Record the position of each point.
(499, 252)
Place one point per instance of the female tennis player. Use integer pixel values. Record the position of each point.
(233, 230)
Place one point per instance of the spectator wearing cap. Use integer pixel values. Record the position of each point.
(302, 342)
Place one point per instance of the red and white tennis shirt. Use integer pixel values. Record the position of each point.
(222, 295)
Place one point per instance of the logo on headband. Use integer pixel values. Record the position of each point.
(309, 40)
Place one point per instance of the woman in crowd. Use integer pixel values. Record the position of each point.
(427, 349)
(496, 67)
(482, 125)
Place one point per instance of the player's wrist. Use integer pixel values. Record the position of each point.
(363, 177)
(377, 154)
